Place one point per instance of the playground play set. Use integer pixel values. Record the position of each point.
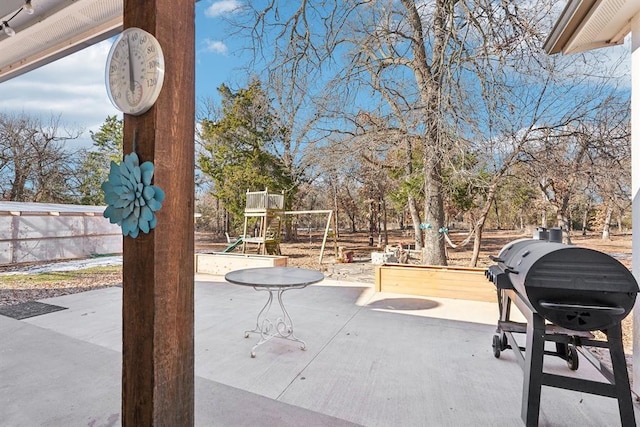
(264, 216)
(266, 211)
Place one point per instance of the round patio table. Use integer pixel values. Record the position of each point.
(274, 280)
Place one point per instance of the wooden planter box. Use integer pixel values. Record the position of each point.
(435, 281)
(221, 263)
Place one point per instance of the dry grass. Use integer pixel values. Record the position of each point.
(18, 288)
(302, 253)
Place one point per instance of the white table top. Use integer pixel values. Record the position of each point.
(281, 277)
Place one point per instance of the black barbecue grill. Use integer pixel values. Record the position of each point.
(564, 292)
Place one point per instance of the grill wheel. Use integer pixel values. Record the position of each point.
(572, 357)
(498, 345)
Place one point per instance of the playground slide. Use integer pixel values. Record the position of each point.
(233, 245)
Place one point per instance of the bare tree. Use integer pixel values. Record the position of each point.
(610, 174)
(34, 163)
(412, 54)
(586, 156)
(559, 165)
(439, 78)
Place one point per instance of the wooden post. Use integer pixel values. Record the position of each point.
(158, 271)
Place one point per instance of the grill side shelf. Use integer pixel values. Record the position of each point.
(550, 329)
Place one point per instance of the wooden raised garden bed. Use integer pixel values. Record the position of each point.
(435, 281)
(221, 263)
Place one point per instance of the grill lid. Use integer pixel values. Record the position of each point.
(576, 288)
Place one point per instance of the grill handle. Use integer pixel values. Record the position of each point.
(572, 307)
(496, 259)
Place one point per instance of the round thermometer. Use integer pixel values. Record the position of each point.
(134, 71)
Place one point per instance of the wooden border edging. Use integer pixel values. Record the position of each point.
(220, 263)
(435, 281)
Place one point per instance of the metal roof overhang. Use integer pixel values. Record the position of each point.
(56, 28)
(591, 24)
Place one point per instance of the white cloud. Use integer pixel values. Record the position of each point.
(215, 46)
(72, 88)
(223, 7)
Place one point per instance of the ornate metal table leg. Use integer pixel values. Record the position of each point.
(263, 326)
(264, 312)
(281, 327)
(285, 324)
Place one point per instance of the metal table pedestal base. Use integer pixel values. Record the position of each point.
(281, 327)
(274, 280)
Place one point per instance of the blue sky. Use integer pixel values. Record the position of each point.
(73, 88)
(218, 56)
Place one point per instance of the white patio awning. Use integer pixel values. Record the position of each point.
(55, 29)
(591, 24)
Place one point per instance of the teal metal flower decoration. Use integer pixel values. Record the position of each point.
(130, 197)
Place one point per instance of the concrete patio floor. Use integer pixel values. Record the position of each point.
(372, 359)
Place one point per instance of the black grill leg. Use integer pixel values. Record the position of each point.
(504, 304)
(623, 391)
(534, 355)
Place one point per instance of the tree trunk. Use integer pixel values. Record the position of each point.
(428, 73)
(411, 201)
(415, 219)
(495, 208)
(570, 219)
(620, 221)
(336, 221)
(479, 227)
(477, 242)
(585, 220)
(219, 218)
(384, 222)
(17, 192)
(562, 222)
(606, 235)
(433, 252)
(561, 217)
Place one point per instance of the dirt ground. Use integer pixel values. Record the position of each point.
(305, 252)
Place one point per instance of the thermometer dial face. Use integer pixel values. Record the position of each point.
(134, 71)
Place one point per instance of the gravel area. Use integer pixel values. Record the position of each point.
(19, 292)
(25, 282)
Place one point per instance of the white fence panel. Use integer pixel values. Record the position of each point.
(29, 235)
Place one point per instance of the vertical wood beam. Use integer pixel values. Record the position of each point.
(158, 270)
